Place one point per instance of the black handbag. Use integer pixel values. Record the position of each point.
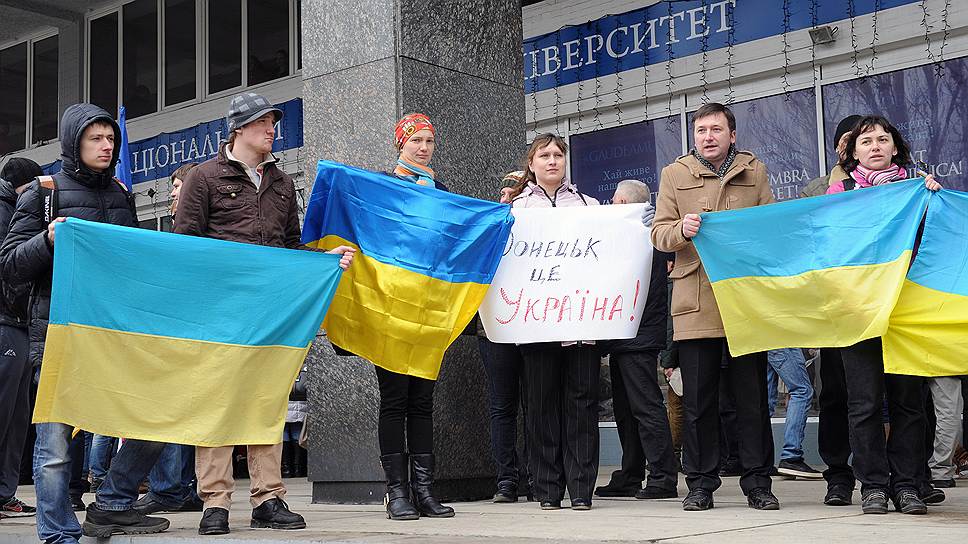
(300, 388)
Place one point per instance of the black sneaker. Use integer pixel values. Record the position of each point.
(215, 521)
(581, 504)
(874, 502)
(930, 495)
(798, 469)
(950, 482)
(839, 495)
(507, 491)
(551, 505)
(77, 504)
(275, 514)
(614, 490)
(761, 498)
(16, 508)
(906, 501)
(652, 492)
(191, 505)
(147, 506)
(697, 500)
(104, 523)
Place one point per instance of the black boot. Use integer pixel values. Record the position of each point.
(397, 499)
(423, 479)
(104, 523)
(286, 466)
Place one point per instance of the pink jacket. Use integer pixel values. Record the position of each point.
(534, 196)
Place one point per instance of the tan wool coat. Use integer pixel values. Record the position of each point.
(686, 186)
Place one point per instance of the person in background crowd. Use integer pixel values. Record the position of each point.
(15, 368)
(407, 402)
(640, 415)
(562, 377)
(241, 195)
(669, 362)
(177, 179)
(790, 366)
(818, 186)
(875, 154)
(714, 176)
(505, 378)
(86, 189)
(946, 405)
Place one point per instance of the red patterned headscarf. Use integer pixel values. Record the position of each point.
(409, 125)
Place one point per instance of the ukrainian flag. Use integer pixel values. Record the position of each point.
(175, 338)
(426, 258)
(928, 332)
(815, 272)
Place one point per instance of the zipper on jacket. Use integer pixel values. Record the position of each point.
(553, 200)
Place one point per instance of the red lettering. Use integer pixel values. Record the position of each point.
(515, 303)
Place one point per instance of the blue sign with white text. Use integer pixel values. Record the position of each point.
(671, 29)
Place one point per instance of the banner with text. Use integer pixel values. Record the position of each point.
(570, 274)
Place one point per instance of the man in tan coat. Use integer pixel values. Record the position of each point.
(712, 177)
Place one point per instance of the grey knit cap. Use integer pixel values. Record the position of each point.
(248, 107)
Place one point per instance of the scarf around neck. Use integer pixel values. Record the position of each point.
(419, 174)
(727, 164)
(865, 177)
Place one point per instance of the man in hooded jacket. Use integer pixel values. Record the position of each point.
(85, 188)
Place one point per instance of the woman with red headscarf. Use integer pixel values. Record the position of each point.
(407, 402)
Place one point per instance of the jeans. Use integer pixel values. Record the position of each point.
(505, 376)
(172, 479)
(128, 469)
(102, 450)
(788, 364)
(56, 522)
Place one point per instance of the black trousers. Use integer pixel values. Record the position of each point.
(833, 431)
(642, 421)
(15, 378)
(700, 363)
(728, 435)
(505, 377)
(406, 413)
(894, 463)
(562, 419)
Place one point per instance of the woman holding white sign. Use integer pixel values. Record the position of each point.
(561, 377)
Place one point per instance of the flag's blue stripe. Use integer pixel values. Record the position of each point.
(431, 232)
(181, 286)
(861, 227)
(942, 260)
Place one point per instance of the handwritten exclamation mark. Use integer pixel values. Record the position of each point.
(635, 300)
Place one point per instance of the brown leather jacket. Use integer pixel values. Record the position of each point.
(686, 186)
(219, 201)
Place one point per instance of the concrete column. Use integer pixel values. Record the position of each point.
(365, 64)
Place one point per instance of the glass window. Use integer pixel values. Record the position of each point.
(268, 22)
(104, 62)
(179, 51)
(224, 44)
(45, 90)
(167, 224)
(13, 98)
(140, 67)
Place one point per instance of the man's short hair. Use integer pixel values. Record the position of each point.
(712, 109)
(634, 190)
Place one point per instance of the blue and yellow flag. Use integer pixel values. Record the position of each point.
(175, 338)
(928, 332)
(815, 272)
(426, 258)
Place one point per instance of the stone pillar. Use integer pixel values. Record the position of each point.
(365, 64)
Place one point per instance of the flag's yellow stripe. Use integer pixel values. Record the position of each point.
(831, 307)
(89, 381)
(927, 334)
(417, 316)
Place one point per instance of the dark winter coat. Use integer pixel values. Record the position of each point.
(26, 254)
(652, 327)
(13, 303)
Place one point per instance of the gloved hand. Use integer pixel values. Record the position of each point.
(648, 214)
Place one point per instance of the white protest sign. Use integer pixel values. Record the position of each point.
(576, 273)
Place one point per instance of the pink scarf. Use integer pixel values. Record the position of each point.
(866, 177)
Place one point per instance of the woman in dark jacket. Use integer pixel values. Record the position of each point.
(876, 154)
(407, 402)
